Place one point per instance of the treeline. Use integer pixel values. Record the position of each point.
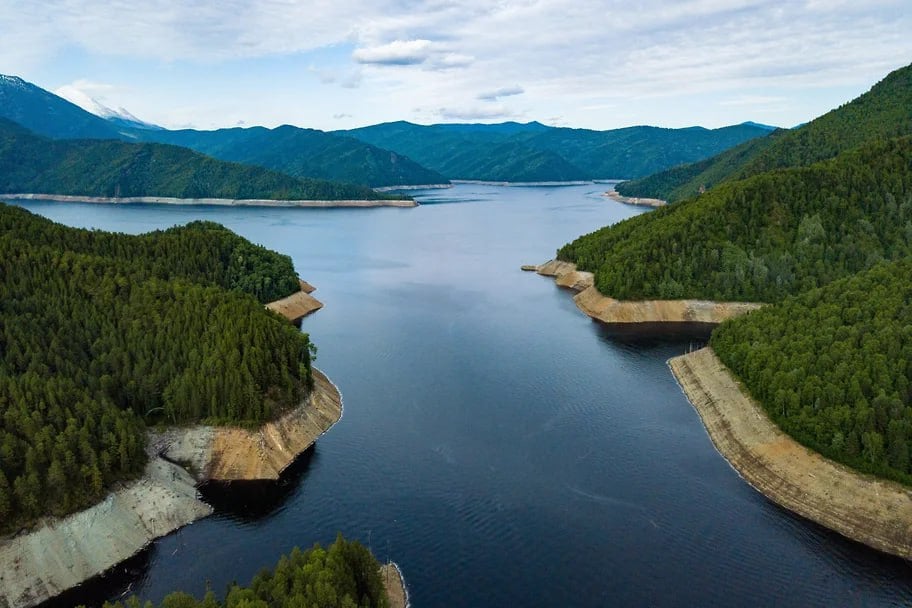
(833, 367)
(763, 238)
(344, 575)
(102, 334)
(881, 113)
(32, 164)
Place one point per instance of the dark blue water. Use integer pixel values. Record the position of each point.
(496, 443)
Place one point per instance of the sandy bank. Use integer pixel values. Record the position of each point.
(222, 202)
(871, 511)
(611, 311)
(634, 200)
(412, 187)
(296, 306)
(394, 583)
(62, 554)
(233, 454)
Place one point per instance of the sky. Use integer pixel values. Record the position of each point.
(338, 64)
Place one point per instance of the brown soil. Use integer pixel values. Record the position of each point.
(296, 306)
(631, 200)
(394, 585)
(611, 311)
(875, 512)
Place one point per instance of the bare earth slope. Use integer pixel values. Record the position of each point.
(608, 310)
(871, 511)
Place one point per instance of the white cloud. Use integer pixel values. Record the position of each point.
(501, 92)
(593, 61)
(398, 52)
(476, 113)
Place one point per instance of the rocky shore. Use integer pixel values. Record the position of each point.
(221, 202)
(863, 508)
(617, 312)
(394, 583)
(634, 200)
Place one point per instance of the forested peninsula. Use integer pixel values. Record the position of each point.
(816, 223)
(107, 340)
(343, 575)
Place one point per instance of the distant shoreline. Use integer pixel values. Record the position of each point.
(481, 182)
(634, 200)
(218, 202)
(412, 187)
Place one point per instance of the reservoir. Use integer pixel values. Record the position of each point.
(500, 446)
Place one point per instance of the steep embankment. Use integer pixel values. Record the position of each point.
(875, 512)
(60, 554)
(298, 305)
(612, 311)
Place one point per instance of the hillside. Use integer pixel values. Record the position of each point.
(883, 112)
(763, 238)
(50, 115)
(33, 164)
(104, 333)
(534, 152)
(830, 367)
(302, 153)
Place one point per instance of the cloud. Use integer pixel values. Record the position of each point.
(501, 92)
(398, 52)
(475, 113)
(341, 115)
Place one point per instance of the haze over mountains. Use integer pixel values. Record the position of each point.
(392, 154)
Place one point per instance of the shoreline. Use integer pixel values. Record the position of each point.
(412, 187)
(62, 553)
(620, 312)
(394, 584)
(874, 512)
(482, 182)
(218, 202)
(634, 200)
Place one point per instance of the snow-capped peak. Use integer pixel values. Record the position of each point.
(90, 104)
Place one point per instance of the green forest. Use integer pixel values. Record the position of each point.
(32, 164)
(763, 238)
(833, 367)
(344, 575)
(103, 334)
(883, 112)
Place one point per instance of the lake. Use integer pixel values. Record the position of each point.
(500, 446)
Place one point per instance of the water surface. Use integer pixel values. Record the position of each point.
(496, 443)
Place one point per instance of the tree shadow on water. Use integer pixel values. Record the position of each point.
(254, 501)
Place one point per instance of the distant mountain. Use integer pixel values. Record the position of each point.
(535, 152)
(33, 164)
(48, 114)
(303, 153)
(883, 112)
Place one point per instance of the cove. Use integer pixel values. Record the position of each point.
(499, 445)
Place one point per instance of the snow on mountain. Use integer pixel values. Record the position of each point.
(120, 116)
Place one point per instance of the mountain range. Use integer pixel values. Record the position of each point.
(391, 154)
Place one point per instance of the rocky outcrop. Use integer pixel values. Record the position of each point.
(875, 512)
(617, 312)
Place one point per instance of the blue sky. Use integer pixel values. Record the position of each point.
(333, 64)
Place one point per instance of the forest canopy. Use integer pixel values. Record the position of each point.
(343, 575)
(102, 334)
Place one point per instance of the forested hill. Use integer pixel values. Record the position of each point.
(102, 334)
(883, 112)
(760, 239)
(343, 575)
(33, 164)
(833, 367)
(303, 153)
(534, 152)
